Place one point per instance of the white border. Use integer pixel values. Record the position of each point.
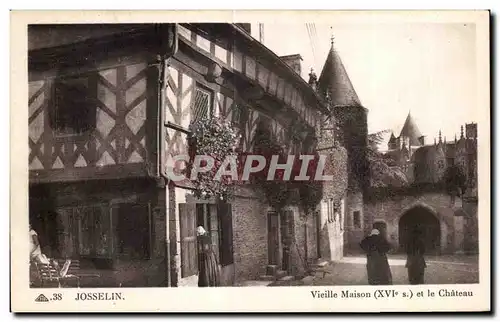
(233, 298)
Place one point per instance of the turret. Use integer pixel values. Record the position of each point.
(411, 133)
(392, 144)
(351, 115)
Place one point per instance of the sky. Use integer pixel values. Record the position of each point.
(428, 69)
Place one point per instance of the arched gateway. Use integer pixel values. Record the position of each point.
(422, 218)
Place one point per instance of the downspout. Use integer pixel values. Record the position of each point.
(167, 50)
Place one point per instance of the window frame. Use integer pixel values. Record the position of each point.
(107, 214)
(54, 105)
(211, 104)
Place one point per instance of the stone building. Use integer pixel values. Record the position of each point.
(450, 222)
(110, 107)
(350, 130)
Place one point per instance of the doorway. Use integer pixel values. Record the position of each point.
(287, 235)
(424, 220)
(273, 241)
(318, 234)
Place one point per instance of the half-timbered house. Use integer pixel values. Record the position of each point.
(109, 108)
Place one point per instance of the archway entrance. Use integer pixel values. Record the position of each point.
(422, 218)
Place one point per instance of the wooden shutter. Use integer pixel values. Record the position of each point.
(226, 234)
(133, 227)
(189, 255)
(213, 220)
(115, 240)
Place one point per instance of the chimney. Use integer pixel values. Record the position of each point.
(294, 61)
(261, 33)
(313, 79)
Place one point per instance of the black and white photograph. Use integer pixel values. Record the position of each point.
(307, 153)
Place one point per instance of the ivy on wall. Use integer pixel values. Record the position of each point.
(216, 138)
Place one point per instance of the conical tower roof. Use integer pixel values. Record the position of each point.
(334, 79)
(411, 131)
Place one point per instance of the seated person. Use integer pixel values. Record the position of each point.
(37, 255)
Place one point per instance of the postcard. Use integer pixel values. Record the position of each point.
(250, 161)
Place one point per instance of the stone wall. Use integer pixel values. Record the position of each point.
(389, 210)
(249, 234)
(355, 232)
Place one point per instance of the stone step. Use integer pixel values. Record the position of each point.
(320, 264)
(267, 278)
(271, 270)
(308, 280)
(286, 278)
(280, 274)
(254, 283)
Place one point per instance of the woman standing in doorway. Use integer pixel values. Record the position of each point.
(415, 262)
(208, 266)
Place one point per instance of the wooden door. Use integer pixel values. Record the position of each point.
(287, 236)
(189, 249)
(273, 241)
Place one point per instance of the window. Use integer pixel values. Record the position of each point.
(356, 219)
(330, 210)
(73, 106)
(202, 104)
(133, 231)
(104, 231)
(237, 115)
(91, 231)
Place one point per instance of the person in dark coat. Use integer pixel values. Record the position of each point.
(377, 265)
(208, 266)
(415, 262)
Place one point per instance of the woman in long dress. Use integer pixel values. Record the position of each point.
(209, 271)
(377, 265)
(415, 262)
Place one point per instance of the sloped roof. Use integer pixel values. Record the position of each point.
(411, 131)
(392, 138)
(334, 78)
(49, 35)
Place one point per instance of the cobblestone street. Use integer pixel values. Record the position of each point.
(351, 270)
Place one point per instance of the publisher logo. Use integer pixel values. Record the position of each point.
(41, 298)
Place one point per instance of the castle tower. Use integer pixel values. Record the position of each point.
(350, 115)
(351, 119)
(392, 144)
(411, 135)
